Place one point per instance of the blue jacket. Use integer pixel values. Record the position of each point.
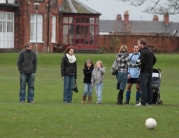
(133, 72)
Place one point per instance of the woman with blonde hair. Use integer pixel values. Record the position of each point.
(123, 62)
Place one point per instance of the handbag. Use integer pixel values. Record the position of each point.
(75, 87)
(113, 71)
(114, 68)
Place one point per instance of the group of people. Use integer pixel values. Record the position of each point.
(135, 68)
(93, 76)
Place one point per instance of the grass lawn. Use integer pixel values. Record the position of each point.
(49, 117)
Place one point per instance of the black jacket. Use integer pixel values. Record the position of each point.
(87, 73)
(27, 61)
(148, 59)
(67, 68)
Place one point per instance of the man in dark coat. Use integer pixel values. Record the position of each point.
(147, 59)
(27, 66)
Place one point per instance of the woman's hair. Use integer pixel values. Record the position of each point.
(100, 62)
(68, 49)
(123, 49)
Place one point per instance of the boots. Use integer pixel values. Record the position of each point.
(120, 97)
(83, 99)
(89, 99)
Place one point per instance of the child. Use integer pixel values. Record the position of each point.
(97, 80)
(88, 68)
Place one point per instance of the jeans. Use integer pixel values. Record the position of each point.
(99, 88)
(87, 89)
(68, 88)
(146, 88)
(27, 79)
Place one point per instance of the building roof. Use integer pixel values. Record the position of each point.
(10, 5)
(75, 6)
(138, 27)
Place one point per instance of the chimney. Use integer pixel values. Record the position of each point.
(126, 17)
(155, 18)
(119, 18)
(166, 18)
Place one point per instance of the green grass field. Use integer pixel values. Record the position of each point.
(49, 117)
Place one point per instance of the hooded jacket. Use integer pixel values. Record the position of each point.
(97, 75)
(27, 61)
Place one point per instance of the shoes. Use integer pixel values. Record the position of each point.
(126, 102)
(21, 102)
(140, 104)
(30, 101)
(137, 102)
(148, 104)
(119, 103)
(98, 103)
(82, 101)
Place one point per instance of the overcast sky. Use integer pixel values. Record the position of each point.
(110, 8)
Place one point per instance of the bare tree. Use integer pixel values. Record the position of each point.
(158, 6)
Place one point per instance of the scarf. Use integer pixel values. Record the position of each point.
(71, 59)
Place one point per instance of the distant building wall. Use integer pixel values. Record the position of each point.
(22, 24)
(161, 44)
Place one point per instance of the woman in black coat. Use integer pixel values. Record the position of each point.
(68, 73)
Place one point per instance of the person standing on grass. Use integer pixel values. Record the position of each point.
(123, 63)
(27, 66)
(87, 71)
(97, 80)
(68, 73)
(147, 59)
(133, 75)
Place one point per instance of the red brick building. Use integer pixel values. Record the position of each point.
(60, 23)
(54, 25)
(161, 36)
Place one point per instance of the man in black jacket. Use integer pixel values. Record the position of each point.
(148, 59)
(27, 66)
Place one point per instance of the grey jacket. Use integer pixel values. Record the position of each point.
(27, 61)
(97, 75)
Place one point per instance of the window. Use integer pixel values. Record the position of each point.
(53, 29)
(80, 30)
(33, 30)
(68, 30)
(39, 0)
(6, 29)
(8, 1)
(54, 1)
